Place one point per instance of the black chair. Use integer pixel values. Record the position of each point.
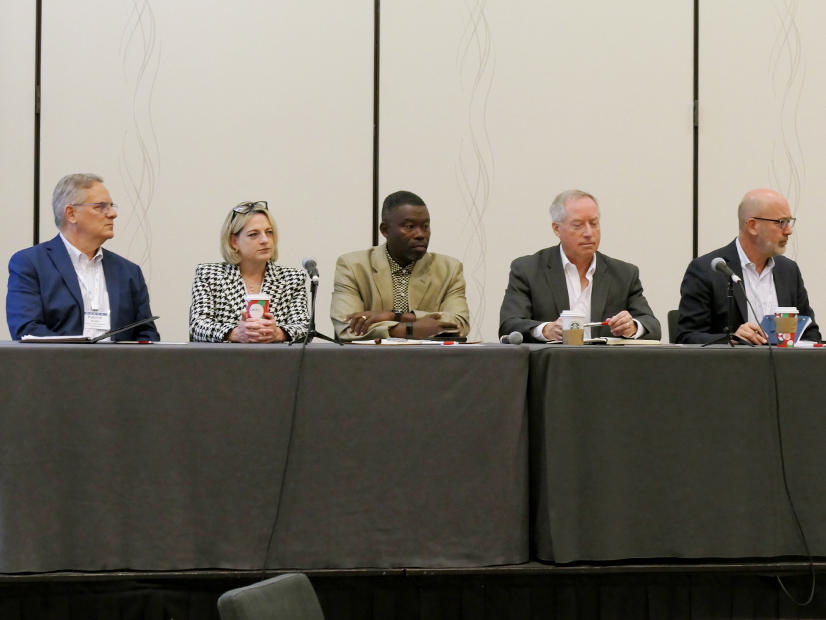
(286, 597)
(673, 317)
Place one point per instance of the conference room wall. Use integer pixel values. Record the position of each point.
(188, 108)
(17, 61)
(542, 78)
(761, 121)
(488, 110)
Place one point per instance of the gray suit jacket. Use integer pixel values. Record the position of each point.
(537, 293)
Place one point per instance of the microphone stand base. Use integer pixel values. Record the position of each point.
(314, 334)
(724, 339)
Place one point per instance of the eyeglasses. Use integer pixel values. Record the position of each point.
(103, 207)
(246, 207)
(786, 221)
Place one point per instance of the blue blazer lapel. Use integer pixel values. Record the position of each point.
(113, 281)
(60, 259)
(599, 295)
(557, 285)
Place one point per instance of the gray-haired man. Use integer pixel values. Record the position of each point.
(575, 276)
(70, 285)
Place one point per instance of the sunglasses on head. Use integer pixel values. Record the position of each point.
(246, 207)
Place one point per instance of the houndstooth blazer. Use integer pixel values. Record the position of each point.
(218, 298)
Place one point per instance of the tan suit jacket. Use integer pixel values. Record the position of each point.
(363, 282)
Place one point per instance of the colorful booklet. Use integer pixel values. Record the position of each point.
(768, 326)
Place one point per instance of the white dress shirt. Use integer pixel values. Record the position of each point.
(760, 289)
(92, 283)
(580, 300)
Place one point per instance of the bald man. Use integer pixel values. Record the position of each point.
(770, 279)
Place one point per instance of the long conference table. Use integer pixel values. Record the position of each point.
(163, 457)
(181, 457)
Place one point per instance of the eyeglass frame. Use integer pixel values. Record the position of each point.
(789, 221)
(98, 205)
(247, 207)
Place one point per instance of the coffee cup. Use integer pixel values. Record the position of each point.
(573, 327)
(785, 326)
(257, 304)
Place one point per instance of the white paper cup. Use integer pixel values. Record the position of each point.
(573, 327)
(257, 305)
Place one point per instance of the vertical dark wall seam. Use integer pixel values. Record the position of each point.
(696, 164)
(376, 54)
(36, 193)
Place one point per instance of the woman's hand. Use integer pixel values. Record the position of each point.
(261, 330)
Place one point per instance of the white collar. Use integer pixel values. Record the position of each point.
(565, 262)
(745, 260)
(75, 254)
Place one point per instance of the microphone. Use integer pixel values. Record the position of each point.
(511, 338)
(719, 264)
(311, 268)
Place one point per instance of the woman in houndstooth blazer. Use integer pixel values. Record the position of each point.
(249, 244)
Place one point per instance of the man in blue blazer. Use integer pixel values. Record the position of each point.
(70, 285)
(770, 279)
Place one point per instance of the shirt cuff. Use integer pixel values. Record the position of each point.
(536, 332)
(640, 330)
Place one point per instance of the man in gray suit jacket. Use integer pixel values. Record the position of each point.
(574, 276)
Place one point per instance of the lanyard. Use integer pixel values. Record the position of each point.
(92, 295)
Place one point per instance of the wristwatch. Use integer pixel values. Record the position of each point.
(409, 330)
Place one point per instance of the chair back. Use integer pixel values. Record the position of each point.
(286, 597)
(673, 317)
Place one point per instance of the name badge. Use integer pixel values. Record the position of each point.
(96, 320)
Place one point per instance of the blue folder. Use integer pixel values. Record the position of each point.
(768, 326)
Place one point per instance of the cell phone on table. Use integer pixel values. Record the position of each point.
(449, 336)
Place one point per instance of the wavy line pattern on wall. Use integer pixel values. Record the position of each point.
(475, 169)
(140, 159)
(787, 68)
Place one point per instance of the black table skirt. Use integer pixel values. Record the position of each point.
(160, 457)
(674, 452)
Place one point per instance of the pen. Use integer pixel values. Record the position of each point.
(597, 324)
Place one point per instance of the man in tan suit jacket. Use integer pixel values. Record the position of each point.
(399, 289)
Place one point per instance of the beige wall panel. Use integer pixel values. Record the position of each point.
(188, 108)
(762, 64)
(17, 57)
(501, 106)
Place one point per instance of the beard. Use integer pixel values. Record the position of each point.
(774, 249)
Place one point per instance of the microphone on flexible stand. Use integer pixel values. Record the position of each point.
(719, 264)
(511, 338)
(311, 267)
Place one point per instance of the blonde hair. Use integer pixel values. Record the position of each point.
(234, 226)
